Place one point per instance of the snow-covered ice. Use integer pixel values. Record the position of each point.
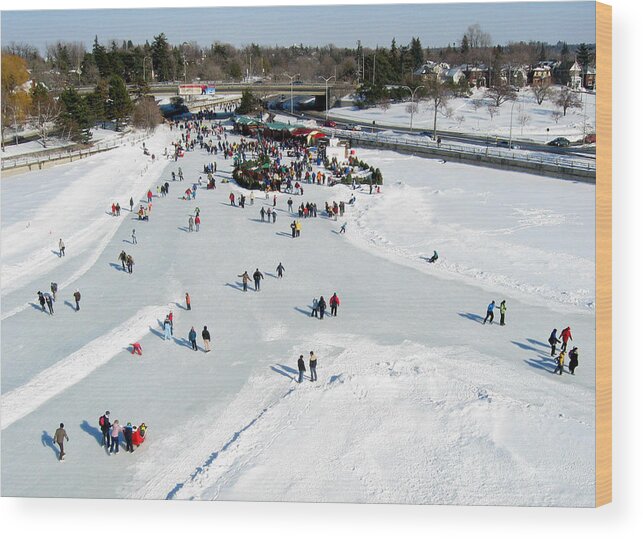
(417, 401)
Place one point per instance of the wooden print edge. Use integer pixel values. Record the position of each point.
(604, 255)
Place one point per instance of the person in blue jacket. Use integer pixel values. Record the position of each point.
(489, 316)
(192, 339)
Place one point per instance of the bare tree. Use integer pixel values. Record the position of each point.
(541, 91)
(45, 110)
(501, 93)
(567, 100)
(459, 120)
(476, 104)
(556, 115)
(523, 120)
(147, 115)
(477, 38)
(438, 97)
(492, 110)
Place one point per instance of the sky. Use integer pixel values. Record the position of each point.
(341, 25)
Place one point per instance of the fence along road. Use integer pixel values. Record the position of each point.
(541, 163)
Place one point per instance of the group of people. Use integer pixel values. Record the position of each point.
(319, 306)
(312, 364)
(127, 261)
(490, 308)
(111, 432)
(565, 337)
(116, 209)
(256, 277)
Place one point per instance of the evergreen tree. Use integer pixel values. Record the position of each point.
(97, 102)
(119, 104)
(75, 118)
(542, 55)
(101, 59)
(161, 58)
(417, 53)
(564, 52)
(464, 46)
(248, 103)
(584, 55)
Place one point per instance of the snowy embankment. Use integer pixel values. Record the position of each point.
(470, 115)
(416, 402)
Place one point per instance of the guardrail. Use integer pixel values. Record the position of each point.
(523, 160)
(39, 161)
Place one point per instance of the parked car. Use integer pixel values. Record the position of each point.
(426, 134)
(505, 144)
(590, 139)
(355, 127)
(330, 123)
(559, 141)
(298, 82)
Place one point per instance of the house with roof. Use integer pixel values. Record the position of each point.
(453, 75)
(514, 75)
(432, 70)
(477, 75)
(540, 75)
(575, 76)
(589, 77)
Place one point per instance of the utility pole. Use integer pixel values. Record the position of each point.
(511, 121)
(374, 66)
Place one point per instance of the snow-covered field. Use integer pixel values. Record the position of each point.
(470, 115)
(417, 401)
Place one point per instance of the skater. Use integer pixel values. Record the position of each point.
(293, 227)
(231, 197)
(191, 224)
(61, 248)
(342, 230)
(192, 339)
(274, 216)
(149, 195)
(77, 299)
(566, 335)
(262, 213)
(312, 363)
(167, 329)
(268, 214)
(54, 289)
(274, 201)
(105, 425)
(553, 340)
(257, 276)
(321, 304)
(290, 205)
(297, 228)
(280, 270)
(246, 279)
(42, 301)
(136, 348)
(129, 263)
(489, 316)
(50, 302)
(252, 198)
(170, 317)
(197, 222)
(301, 367)
(573, 359)
(560, 363)
(123, 258)
(131, 205)
(114, 433)
(434, 258)
(334, 303)
(503, 310)
(205, 335)
(187, 302)
(60, 436)
(127, 434)
(134, 242)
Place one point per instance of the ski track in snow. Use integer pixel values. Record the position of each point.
(42, 261)
(52, 381)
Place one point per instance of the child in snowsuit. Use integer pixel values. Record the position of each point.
(560, 363)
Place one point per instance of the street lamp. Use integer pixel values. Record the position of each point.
(412, 98)
(292, 78)
(511, 121)
(326, 80)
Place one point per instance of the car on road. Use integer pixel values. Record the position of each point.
(426, 134)
(330, 123)
(590, 139)
(355, 127)
(298, 82)
(505, 144)
(559, 141)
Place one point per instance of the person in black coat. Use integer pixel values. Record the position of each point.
(257, 276)
(301, 367)
(205, 334)
(105, 425)
(573, 359)
(321, 304)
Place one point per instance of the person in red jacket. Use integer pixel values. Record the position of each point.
(566, 335)
(136, 349)
(149, 195)
(197, 222)
(334, 303)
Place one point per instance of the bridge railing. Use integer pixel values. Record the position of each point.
(519, 156)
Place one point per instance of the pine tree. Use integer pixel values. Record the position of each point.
(584, 55)
(564, 52)
(119, 104)
(161, 58)
(417, 53)
(101, 59)
(464, 46)
(75, 117)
